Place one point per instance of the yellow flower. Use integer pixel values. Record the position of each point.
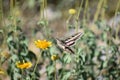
(72, 11)
(23, 65)
(43, 44)
(54, 57)
(5, 54)
(17, 11)
(2, 71)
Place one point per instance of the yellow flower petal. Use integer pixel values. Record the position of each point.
(54, 57)
(2, 71)
(43, 44)
(23, 65)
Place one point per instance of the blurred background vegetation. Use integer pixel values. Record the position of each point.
(57, 12)
(99, 50)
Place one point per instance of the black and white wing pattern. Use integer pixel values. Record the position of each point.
(71, 40)
(63, 46)
(67, 43)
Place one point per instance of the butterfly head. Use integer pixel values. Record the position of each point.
(58, 40)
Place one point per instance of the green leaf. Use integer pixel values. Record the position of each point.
(17, 76)
(67, 58)
(53, 50)
(66, 76)
(50, 69)
(43, 23)
(31, 3)
(79, 51)
(14, 57)
(83, 58)
(105, 64)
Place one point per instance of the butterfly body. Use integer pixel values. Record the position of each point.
(66, 44)
(62, 45)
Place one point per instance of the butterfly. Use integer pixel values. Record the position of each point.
(67, 43)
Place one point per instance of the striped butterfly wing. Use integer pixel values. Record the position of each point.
(71, 41)
(62, 45)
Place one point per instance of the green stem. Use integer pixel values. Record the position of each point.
(85, 13)
(98, 10)
(42, 6)
(67, 22)
(45, 5)
(77, 17)
(55, 70)
(103, 10)
(79, 10)
(116, 11)
(21, 74)
(117, 31)
(1, 12)
(36, 65)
